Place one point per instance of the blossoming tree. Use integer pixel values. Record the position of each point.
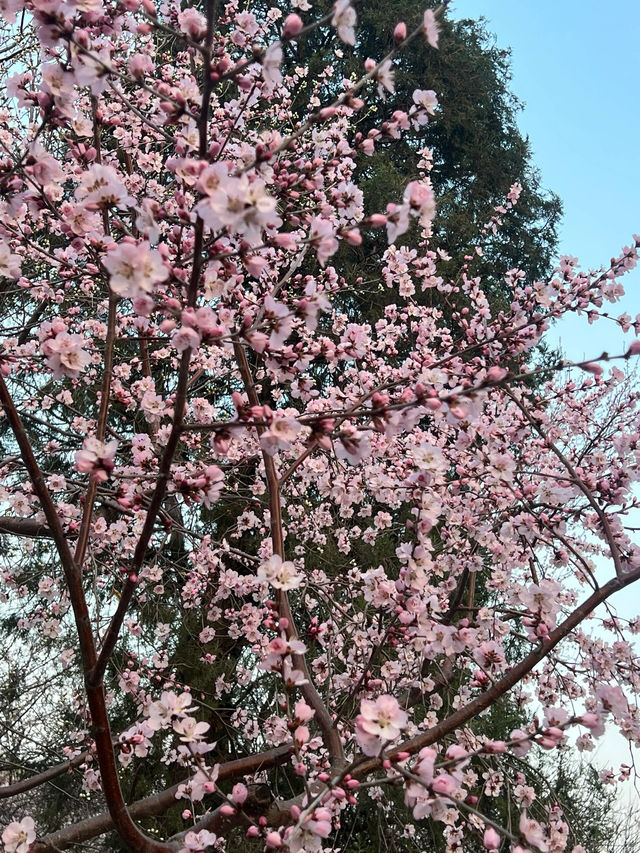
(200, 452)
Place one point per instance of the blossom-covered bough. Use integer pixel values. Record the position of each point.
(202, 449)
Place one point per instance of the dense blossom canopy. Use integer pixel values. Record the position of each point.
(202, 450)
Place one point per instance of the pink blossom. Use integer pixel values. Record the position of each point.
(96, 458)
(197, 842)
(345, 19)
(302, 712)
(271, 61)
(282, 431)
(102, 186)
(323, 237)
(431, 28)
(279, 573)
(17, 837)
(379, 721)
(189, 729)
(292, 26)
(10, 264)
(400, 32)
(192, 23)
(385, 77)
(64, 354)
(533, 833)
(491, 839)
(239, 793)
(185, 338)
(140, 64)
(134, 268)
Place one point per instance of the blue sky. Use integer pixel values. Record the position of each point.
(576, 65)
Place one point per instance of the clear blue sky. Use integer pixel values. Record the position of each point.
(576, 65)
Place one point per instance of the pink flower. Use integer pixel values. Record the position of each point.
(384, 76)
(379, 722)
(426, 103)
(189, 729)
(292, 26)
(192, 23)
(431, 28)
(201, 783)
(271, 61)
(64, 354)
(241, 205)
(280, 574)
(140, 64)
(352, 445)
(322, 235)
(281, 433)
(96, 458)
(102, 186)
(302, 712)
(281, 321)
(239, 793)
(420, 197)
(345, 19)
(197, 842)
(10, 265)
(533, 833)
(134, 268)
(185, 338)
(491, 839)
(17, 837)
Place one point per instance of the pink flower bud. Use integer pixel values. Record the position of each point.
(400, 32)
(292, 26)
(239, 793)
(491, 839)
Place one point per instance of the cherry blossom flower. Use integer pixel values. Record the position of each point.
(197, 842)
(134, 268)
(379, 722)
(533, 833)
(431, 28)
(10, 264)
(17, 837)
(281, 432)
(101, 186)
(345, 20)
(170, 705)
(64, 354)
(427, 101)
(96, 458)
(352, 445)
(385, 78)
(323, 238)
(279, 574)
(189, 729)
(271, 61)
(491, 839)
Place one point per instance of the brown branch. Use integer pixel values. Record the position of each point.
(157, 804)
(38, 779)
(327, 726)
(24, 527)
